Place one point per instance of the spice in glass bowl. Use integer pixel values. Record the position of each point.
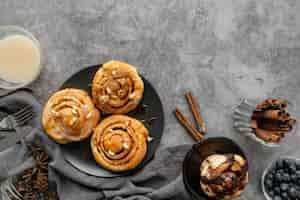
(271, 121)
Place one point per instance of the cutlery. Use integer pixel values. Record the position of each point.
(17, 120)
(23, 116)
(8, 191)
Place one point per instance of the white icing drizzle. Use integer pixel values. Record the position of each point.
(131, 96)
(89, 115)
(122, 81)
(72, 122)
(150, 139)
(125, 145)
(114, 72)
(127, 123)
(108, 90)
(104, 99)
(74, 111)
(111, 153)
(54, 113)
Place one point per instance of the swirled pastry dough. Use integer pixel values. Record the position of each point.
(117, 88)
(69, 116)
(119, 143)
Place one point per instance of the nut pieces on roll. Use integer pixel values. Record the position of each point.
(69, 116)
(117, 88)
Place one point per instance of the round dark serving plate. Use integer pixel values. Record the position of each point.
(79, 154)
(198, 153)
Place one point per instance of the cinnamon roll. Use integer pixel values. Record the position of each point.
(69, 116)
(117, 88)
(224, 176)
(119, 143)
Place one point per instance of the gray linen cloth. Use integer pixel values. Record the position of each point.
(160, 179)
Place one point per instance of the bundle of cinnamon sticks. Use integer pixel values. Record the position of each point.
(270, 120)
(198, 132)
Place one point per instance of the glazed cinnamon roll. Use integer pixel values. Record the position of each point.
(119, 143)
(117, 88)
(69, 116)
(224, 176)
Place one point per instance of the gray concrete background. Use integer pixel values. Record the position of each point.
(223, 50)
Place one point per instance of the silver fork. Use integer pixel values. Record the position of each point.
(24, 115)
(8, 190)
(19, 118)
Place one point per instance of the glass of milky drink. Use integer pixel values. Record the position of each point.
(20, 57)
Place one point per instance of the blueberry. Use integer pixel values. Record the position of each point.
(278, 177)
(292, 169)
(298, 166)
(285, 163)
(298, 173)
(284, 187)
(270, 176)
(279, 164)
(277, 198)
(292, 192)
(286, 177)
(277, 190)
(268, 184)
(284, 195)
(271, 193)
(294, 177)
(272, 171)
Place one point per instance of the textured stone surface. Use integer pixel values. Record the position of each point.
(223, 50)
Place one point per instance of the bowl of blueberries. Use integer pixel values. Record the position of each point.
(281, 179)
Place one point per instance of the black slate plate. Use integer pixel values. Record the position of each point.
(79, 154)
(198, 153)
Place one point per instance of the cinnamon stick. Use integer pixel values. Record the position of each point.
(271, 103)
(268, 136)
(253, 123)
(196, 111)
(268, 114)
(186, 123)
(273, 125)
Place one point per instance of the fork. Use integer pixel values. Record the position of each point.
(19, 118)
(24, 115)
(8, 190)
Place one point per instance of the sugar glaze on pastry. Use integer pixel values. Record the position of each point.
(119, 143)
(69, 116)
(117, 88)
(224, 176)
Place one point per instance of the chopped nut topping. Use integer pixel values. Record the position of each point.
(89, 115)
(125, 145)
(108, 90)
(103, 99)
(131, 96)
(111, 153)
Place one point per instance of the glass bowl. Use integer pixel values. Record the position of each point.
(6, 31)
(269, 167)
(242, 114)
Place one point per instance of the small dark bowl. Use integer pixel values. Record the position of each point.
(198, 153)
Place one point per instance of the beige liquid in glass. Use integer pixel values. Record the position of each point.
(19, 59)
